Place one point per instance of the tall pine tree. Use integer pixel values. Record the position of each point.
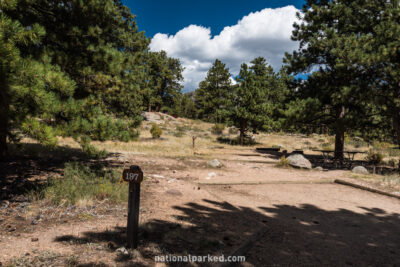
(212, 96)
(33, 91)
(96, 48)
(164, 75)
(334, 94)
(255, 99)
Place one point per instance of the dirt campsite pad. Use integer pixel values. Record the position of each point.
(290, 216)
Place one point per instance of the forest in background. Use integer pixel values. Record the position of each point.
(82, 69)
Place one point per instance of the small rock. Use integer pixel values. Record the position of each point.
(319, 168)
(122, 250)
(173, 171)
(172, 180)
(214, 163)
(34, 222)
(34, 239)
(299, 161)
(158, 176)
(174, 192)
(360, 170)
(1, 219)
(211, 174)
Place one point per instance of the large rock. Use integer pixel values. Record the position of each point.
(157, 117)
(152, 117)
(299, 161)
(214, 163)
(360, 170)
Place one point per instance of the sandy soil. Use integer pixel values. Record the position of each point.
(185, 209)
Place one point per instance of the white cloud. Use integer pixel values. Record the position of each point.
(264, 33)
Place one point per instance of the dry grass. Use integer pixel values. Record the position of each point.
(176, 141)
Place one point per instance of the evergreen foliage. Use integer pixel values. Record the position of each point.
(254, 100)
(334, 95)
(164, 75)
(77, 68)
(212, 96)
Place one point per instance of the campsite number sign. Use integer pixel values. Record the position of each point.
(134, 176)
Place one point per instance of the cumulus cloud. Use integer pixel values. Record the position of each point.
(264, 33)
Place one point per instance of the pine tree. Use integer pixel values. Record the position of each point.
(97, 45)
(377, 54)
(255, 98)
(33, 91)
(164, 75)
(212, 96)
(334, 94)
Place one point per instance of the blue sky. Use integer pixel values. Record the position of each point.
(234, 31)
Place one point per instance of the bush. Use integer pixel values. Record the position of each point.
(81, 183)
(155, 131)
(374, 157)
(218, 129)
(283, 162)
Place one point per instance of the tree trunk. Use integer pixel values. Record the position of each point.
(4, 106)
(339, 133)
(242, 132)
(396, 126)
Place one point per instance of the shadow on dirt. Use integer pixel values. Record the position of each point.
(294, 235)
(30, 164)
(330, 163)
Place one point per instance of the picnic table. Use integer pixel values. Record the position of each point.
(349, 153)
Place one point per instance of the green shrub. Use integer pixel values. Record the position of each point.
(283, 162)
(218, 129)
(155, 131)
(83, 183)
(374, 157)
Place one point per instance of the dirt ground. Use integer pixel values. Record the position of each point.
(273, 216)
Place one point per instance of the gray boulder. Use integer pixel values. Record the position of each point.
(319, 168)
(299, 161)
(360, 170)
(152, 117)
(214, 163)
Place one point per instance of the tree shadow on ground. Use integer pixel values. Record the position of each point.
(294, 235)
(236, 141)
(330, 163)
(30, 164)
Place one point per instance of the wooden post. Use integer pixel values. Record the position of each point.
(133, 215)
(134, 176)
(194, 141)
